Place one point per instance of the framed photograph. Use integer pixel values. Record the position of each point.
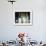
(23, 17)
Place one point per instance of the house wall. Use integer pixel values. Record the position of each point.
(8, 30)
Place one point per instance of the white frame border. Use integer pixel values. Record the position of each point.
(31, 18)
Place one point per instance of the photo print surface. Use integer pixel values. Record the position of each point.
(22, 18)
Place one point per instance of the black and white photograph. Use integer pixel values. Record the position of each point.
(23, 18)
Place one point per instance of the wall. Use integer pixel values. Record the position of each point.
(9, 31)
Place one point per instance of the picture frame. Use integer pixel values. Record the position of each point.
(23, 18)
